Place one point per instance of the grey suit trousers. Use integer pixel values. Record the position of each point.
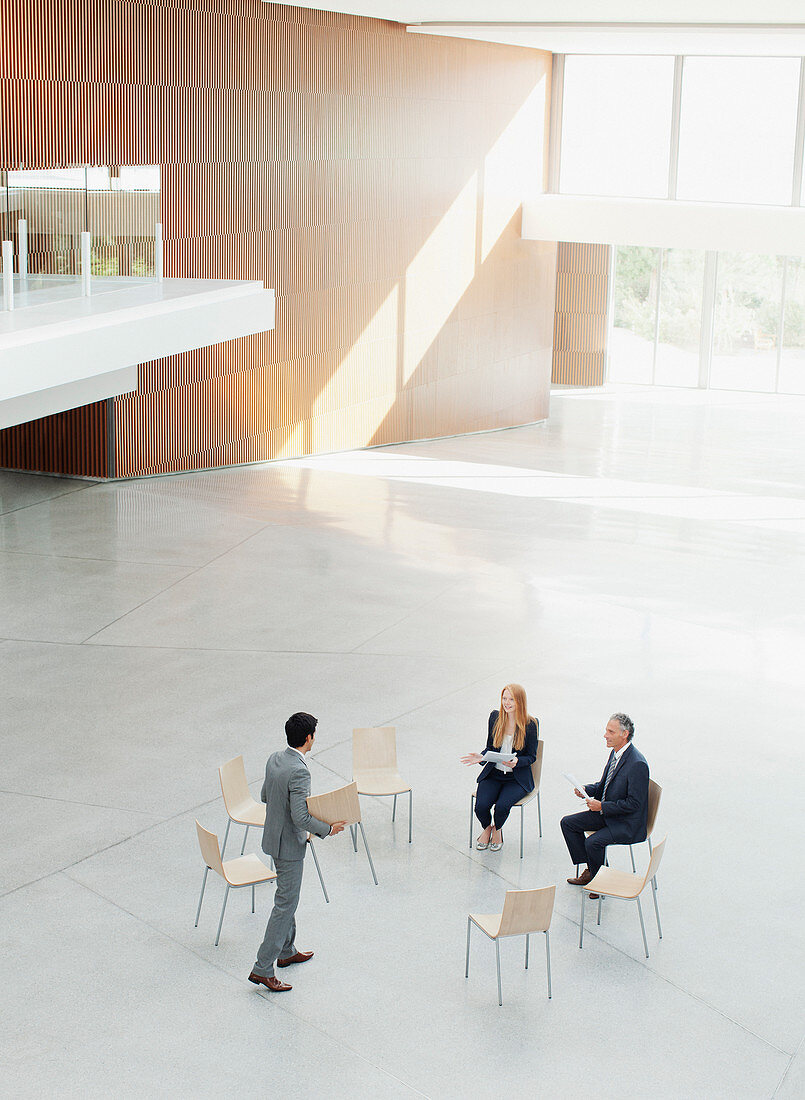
(278, 942)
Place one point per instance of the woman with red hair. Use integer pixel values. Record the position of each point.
(511, 749)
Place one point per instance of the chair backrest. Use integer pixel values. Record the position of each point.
(342, 804)
(654, 796)
(374, 747)
(210, 849)
(527, 911)
(536, 767)
(654, 862)
(234, 787)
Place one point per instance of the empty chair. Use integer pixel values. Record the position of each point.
(238, 802)
(342, 804)
(536, 771)
(524, 912)
(374, 766)
(626, 885)
(236, 873)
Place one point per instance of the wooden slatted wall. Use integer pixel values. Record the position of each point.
(580, 328)
(371, 177)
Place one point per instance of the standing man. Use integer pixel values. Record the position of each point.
(616, 806)
(286, 787)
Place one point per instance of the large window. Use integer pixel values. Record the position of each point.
(680, 318)
(746, 322)
(702, 129)
(737, 129)
(616, 125)
(731, 320)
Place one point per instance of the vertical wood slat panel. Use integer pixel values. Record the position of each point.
(580, 325)
(342, 162)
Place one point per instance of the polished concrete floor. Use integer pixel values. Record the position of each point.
(641, 551)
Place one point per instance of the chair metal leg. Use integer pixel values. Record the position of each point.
(252, 897)
(548, 960)
(394, 809)
(243, 845)
(521, 831)
(581, 921)
(318, 869)
(226, 836)
(368, 853)
(221, 921)
(410, 813)
(539, 815)
(472, 805)
(467, 967)
(527, 938)
(600, 900)
(642, 925)
(654, 880)
(201, 895)
(353, 832)
(631, 853)
(656, 909)
(497, 956)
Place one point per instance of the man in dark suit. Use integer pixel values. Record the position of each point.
(616, 806)
(285, 790)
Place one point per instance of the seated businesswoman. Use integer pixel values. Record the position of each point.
(514, 734)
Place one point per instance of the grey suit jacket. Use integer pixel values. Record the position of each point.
(285, 788)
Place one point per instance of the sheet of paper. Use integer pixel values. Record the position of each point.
(575, 783)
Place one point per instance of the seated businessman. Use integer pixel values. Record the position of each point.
(285, 790)
(616, 806)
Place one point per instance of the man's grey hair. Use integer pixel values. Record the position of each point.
(625, 723)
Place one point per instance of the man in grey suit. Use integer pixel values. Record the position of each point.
(286, 787)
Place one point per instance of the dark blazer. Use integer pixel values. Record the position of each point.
(525, 757)
(626, 804)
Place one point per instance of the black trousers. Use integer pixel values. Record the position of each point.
(501, 793)
(592, 849)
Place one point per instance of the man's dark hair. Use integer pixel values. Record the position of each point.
(625, 723)
(298, 727)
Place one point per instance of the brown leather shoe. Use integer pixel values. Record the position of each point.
(272, 983)
(299, 957)
(593, 897)
(583, 878)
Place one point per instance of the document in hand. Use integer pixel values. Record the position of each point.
(574, 783)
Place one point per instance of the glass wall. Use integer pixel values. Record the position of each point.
(729, 136)
(737, 323)
(119, 205)
(616, 125)
(791, 377)
(680, 318)
(634, 315)
(746, 324)
(737, 129)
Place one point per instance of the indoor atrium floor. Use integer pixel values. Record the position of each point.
(641, 551)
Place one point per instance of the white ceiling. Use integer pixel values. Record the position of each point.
(773, 27)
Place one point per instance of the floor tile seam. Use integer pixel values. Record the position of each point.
(108, 847)
(90, 557)
(78, 802)
(45, 500)
(412, 610)
(167, 588)
(394, 718)
(787, 1069)
(644, 964)
(282, 1005)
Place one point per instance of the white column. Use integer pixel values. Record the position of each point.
(8, 275)
(158, 252)
(22, 252)
(86, 264)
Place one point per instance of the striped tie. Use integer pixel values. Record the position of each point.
(610, 773)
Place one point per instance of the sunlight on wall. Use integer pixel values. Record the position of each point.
(514, 167)
(439, 275)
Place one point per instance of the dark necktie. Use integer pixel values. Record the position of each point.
(610, 773)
